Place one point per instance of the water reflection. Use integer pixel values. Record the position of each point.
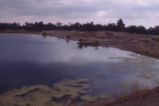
(31, 60)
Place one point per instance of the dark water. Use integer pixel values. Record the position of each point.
(27, 60)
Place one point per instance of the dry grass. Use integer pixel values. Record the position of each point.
(146, 40)
(136, 95)
(155, 38)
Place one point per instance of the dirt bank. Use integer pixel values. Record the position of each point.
(141, 44)
(139, 98)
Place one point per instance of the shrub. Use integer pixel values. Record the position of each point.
(143, 49)
(95, 41)
(146, 40)
(80, 39)
(68, 37)
(43, 33)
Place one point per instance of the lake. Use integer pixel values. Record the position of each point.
(50, 71)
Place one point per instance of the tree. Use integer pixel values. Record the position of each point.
(141, 30)
(89, 26)
(120, 25)
(111, 27)
(132, 29)
(58, 25)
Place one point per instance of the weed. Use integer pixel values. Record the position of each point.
(68, 37)
(146, 40)
(80, 39)
(143, 49)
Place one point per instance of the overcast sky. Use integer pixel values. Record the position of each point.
(138, 12)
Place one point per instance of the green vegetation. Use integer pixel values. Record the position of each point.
(40, 95)
(89, 98)
(64, 92)
(119, 26)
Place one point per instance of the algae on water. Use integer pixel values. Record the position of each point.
(41, 95)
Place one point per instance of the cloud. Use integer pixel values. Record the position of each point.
(137, 12)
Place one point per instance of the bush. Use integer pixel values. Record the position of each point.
(80, 39)
(146, 40)
(68, 37)
(95, 41)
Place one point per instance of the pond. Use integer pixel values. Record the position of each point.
(52, 71)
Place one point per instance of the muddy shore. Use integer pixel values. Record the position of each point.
(138, 98)
(142, 44)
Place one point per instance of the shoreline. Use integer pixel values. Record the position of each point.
(21, 31)
(141, 44)
(137, 43)
(138, 98)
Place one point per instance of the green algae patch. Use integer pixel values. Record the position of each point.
(53, 104)
(33, 95)
(41, 95)
(140, 66)
(104, 96)
(89, 98)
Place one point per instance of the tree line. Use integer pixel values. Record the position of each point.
(119, 26)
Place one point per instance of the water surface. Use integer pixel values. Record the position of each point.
(39, 62)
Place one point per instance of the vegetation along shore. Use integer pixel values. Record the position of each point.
(141, 44)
